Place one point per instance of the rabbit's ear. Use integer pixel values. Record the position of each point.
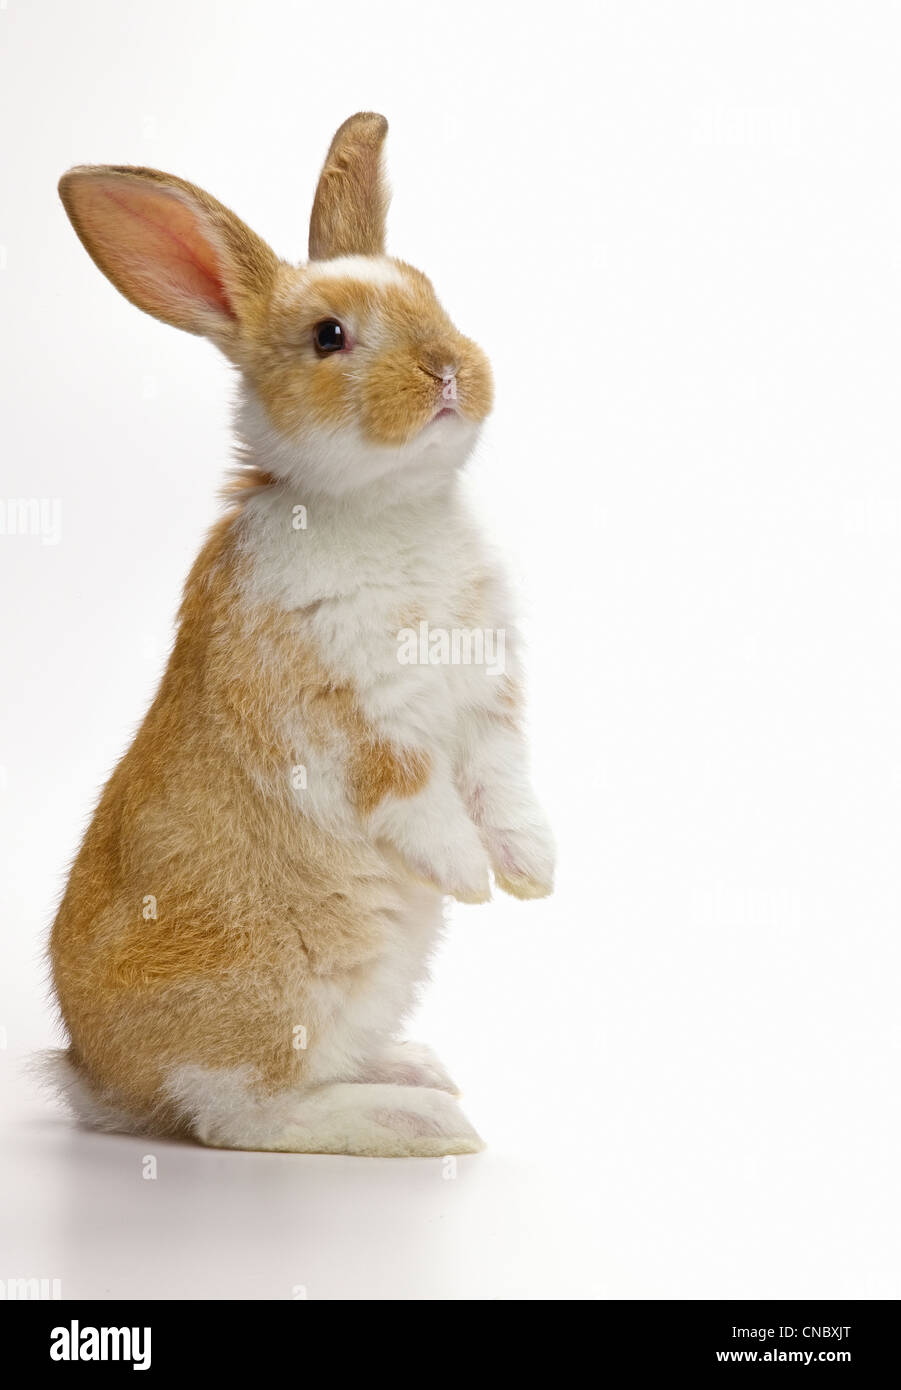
(351, 202)
(169, 247)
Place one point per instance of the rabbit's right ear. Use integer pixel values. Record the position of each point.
(170, 248)
(351, 203)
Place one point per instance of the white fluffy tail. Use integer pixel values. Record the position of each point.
(56, 1071)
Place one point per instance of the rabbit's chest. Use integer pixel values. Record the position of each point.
(405, 612)
(417, 649)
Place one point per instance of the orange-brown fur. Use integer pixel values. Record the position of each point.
(351, 198)
(205, 909)
(261, 326)
(391, 403)
(276, 901)
(115, 214)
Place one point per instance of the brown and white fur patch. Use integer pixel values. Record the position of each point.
(255, 903)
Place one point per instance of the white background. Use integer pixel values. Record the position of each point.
(676, 228)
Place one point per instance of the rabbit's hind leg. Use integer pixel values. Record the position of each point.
(224, 1109)
(407, 1064)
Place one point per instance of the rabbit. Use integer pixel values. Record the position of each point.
(255, 903)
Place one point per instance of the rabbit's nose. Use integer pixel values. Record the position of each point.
(440, 370)
(449, 386)
(438, 357)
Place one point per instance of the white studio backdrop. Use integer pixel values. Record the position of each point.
(676, 229)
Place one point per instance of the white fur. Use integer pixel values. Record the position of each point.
(370, 270)
(358, 1095)
(353, 1022)
(388, 543)
(55, 1070)
(340, 462)
(408, 1064)
(394, 543)
(371, 559)
(354, 576)
(375, 1119)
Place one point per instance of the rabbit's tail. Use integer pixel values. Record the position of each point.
(57, 1070)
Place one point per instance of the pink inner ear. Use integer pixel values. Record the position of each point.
(154, 249)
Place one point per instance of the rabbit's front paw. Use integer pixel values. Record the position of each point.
(436, 841)
(523, 858)
(457, 864)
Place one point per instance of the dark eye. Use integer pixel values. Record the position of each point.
(329, 336)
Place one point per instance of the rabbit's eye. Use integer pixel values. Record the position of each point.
(329, 336)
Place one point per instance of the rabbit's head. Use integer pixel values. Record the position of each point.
(352, 370)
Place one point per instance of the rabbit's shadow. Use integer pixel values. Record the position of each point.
(163, 1219)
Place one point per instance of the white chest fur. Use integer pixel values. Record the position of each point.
(401, 600)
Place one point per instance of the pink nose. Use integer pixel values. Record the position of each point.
(449, 389)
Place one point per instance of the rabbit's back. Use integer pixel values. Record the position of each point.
(202, 894)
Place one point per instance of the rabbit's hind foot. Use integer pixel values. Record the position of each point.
(376, 1119)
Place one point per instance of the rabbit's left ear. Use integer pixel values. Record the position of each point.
(351, 202)
(170, 248)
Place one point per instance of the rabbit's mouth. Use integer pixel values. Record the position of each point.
(444, 413)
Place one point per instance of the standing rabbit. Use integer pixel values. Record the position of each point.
(258, 894)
